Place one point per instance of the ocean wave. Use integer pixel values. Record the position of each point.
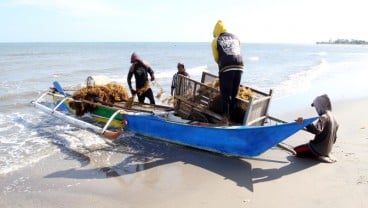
(32, 54)
(19, 145)
(26, 138)
(169, 73)
(20, 94)
(320, 53)
(301, 81)
(253, 58)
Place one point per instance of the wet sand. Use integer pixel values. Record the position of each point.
(146, 173)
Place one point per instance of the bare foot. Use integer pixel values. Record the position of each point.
(326, 159)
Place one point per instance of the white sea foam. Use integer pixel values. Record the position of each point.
(19, 145)
(301, 81)
(30, 140)
(321, 53)
(253, 58)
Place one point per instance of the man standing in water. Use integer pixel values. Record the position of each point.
(226, 52)
(140, 70)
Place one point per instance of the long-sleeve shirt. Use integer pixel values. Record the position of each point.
(140, 70)
(325, 129)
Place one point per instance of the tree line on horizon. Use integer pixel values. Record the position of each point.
(344, 41)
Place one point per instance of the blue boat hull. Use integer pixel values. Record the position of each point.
(232, 141)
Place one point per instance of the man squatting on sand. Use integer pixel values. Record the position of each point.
(325, 130)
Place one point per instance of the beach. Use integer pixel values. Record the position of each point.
(147, 173)
(45, 162)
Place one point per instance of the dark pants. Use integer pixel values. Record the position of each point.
(229, 86)
(149, 95)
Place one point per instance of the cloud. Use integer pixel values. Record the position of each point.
(79, 8)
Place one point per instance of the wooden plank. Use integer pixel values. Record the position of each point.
(262, 118)
(200, 108)
(261, 100)
(256, 107)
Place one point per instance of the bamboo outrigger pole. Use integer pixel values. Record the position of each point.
(111, 135)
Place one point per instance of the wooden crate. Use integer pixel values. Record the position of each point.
(193, 97)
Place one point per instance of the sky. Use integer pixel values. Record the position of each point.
(253, 21)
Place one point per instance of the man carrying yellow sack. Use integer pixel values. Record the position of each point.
(226, 52)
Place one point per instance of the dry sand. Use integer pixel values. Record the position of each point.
(153, 174)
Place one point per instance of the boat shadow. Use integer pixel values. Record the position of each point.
(144, 154)
(293, 165)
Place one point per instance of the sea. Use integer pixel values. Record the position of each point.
(296, 73)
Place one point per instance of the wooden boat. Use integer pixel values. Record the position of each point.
(229, 140)
(162, 122)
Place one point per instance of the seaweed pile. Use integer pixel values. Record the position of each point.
(237, 114)
(105, 94)
(243, 93)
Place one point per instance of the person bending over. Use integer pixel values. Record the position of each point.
(140, 70)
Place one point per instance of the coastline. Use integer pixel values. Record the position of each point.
(146, 173)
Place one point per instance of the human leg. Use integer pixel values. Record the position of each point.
(149, 95)
(236, 78)
(141, 98)
(225, 91)
(304, 151)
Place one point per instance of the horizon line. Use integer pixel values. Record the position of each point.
(2, 42)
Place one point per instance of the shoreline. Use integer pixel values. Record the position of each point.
(146, 173)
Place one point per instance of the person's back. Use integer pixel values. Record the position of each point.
(226, 52)
(226, 49)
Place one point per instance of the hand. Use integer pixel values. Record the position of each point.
(299, 120)
(133, 91)
(152, 79)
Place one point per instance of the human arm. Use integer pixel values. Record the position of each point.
(214, 50)
(149, 70)
(335, 137)
(173, 84)
(314, 128)
(317, 127)
(129, 80)
(152, 74)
